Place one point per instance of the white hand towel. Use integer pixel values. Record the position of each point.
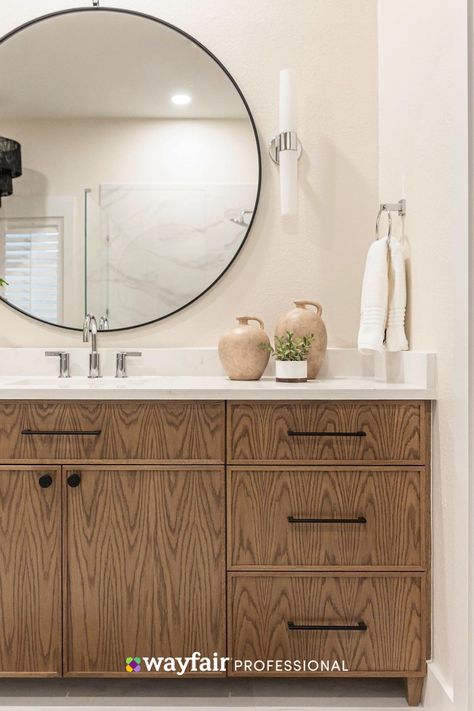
(395, 339)
(373, 309)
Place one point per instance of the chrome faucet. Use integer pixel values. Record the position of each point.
(90, 326)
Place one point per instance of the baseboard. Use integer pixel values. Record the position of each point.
(439, 693)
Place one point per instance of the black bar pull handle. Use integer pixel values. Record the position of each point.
(359, 627)
(76, 433)
(296, 433)
(298, 519)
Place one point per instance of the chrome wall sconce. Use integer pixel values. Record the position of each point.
(285, 148)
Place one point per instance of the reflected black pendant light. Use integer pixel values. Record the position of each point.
(6, 184)
(10, 165)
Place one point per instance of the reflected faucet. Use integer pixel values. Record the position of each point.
(104, 323)
(90, 326)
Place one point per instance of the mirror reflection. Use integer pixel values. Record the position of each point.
(140, 169)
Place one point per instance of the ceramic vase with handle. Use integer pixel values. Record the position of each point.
(305, 320)
(241, 354)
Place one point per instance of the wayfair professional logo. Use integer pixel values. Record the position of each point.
(198, 663)
(133, 664)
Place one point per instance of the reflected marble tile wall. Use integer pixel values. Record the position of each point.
(151, 249)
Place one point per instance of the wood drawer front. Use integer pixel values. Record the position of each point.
(261, 608)
(268, 432)
(129, 431)
(381, 521)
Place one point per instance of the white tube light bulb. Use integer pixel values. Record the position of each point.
(288, 158)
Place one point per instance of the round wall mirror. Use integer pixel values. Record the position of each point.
(139, 162)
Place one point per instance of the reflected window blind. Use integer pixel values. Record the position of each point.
(32, 265)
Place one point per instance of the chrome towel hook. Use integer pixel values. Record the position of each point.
(383, 209)
(400, 207)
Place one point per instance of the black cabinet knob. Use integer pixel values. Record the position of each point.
(45, 480)
(74, 480)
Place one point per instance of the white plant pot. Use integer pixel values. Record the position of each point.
(291, 371)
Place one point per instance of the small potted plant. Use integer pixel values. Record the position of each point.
(290, 353)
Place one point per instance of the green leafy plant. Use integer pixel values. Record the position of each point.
(3, 282)
(290, 347)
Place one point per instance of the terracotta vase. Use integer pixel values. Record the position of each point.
(304, 321)
(240, 352)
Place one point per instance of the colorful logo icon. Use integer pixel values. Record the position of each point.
(133, 664)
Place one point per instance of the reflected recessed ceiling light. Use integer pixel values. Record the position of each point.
(181, 99)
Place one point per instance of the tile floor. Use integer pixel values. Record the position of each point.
(202, 695)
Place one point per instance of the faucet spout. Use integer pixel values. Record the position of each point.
(90, 327)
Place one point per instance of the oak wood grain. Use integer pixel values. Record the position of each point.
(258, 432)
(426, 503)
(260, 502)
(168, 431)
(392, 607)
(414, 690)
(143, 543)
(145, 566)
(30, 583)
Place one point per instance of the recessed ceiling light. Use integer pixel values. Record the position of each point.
(181, 99)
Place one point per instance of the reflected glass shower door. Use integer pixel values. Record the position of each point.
(97, 259)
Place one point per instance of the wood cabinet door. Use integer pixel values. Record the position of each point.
(30, 564)
(144, 567)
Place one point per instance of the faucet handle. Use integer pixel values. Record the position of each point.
(63, 362)
(121, 362)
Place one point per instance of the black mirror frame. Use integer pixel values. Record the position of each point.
(252, 121)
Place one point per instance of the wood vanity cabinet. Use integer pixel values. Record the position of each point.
(283, 531)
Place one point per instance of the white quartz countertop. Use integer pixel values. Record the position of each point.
(182, 387)
(195, 374)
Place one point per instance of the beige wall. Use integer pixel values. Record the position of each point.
(332, 46)
(63, 157)
(423, 135)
